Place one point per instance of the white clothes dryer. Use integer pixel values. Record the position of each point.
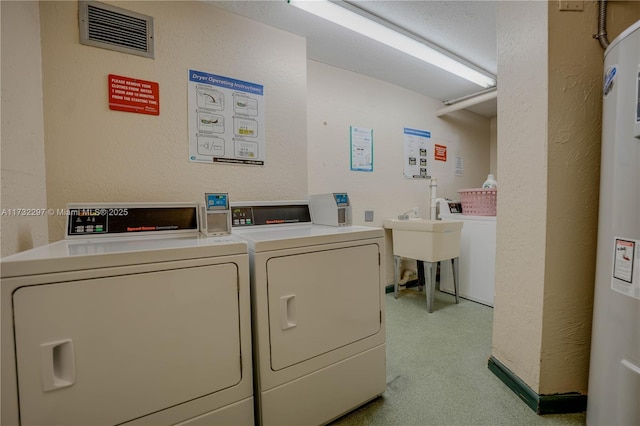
(318, 313)
(114, 326)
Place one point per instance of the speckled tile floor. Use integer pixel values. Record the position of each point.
(437, 370)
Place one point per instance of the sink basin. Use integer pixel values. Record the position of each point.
(424, 239)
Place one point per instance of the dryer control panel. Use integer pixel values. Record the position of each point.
(92, 220)
(257, 213)
(332, 209)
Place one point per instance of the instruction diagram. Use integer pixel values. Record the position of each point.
(417, 146)
(226, 120)
(626, 262)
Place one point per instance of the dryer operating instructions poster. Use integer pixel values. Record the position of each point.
(417, 153)
(226, 120)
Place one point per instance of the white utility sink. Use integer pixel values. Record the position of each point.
(424, 239)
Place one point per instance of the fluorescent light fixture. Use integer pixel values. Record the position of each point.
(358, 23)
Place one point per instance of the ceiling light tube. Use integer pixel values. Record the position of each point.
(358, 23)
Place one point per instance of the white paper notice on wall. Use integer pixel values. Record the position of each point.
(361, 149)
(459, 165)
(226, 120)
(626, 263)
(417, 153)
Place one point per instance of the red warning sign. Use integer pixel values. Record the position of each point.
(133, 95)
(440, 152)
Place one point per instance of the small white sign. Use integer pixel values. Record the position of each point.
(459, 165)
(625, 267)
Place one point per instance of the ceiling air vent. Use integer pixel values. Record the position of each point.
(113, 28)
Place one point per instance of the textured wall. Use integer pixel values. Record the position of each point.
(339, 99)
(575, 111)
(522, 206)
(575, 63)
(549, 154)
(23, 174)
(95, 154)
(494, 147)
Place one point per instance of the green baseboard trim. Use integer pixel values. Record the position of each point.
(572, 402)
(514, 383)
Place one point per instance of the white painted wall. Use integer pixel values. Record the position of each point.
(94, 154)
(22, 138)
(339, 99)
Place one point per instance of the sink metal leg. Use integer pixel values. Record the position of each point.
(396, 275)
(421, 275)
(456, 277)
(430, 286)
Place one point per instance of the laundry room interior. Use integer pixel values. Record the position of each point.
(539, 135)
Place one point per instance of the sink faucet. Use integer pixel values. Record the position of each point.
(405, 215)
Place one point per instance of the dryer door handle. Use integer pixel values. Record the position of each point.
(288, 311)
(57, 365)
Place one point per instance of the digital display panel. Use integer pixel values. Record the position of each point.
(98, 221)
(217, 201)
(342, 200)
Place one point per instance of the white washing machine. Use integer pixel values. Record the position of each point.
(477, 259)
(318, 313)
(112, 326)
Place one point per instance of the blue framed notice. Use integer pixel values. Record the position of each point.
(361, 142)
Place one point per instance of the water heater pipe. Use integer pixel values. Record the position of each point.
(602, 24)
(468, 103)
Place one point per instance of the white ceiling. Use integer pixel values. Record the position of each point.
(465, 28)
